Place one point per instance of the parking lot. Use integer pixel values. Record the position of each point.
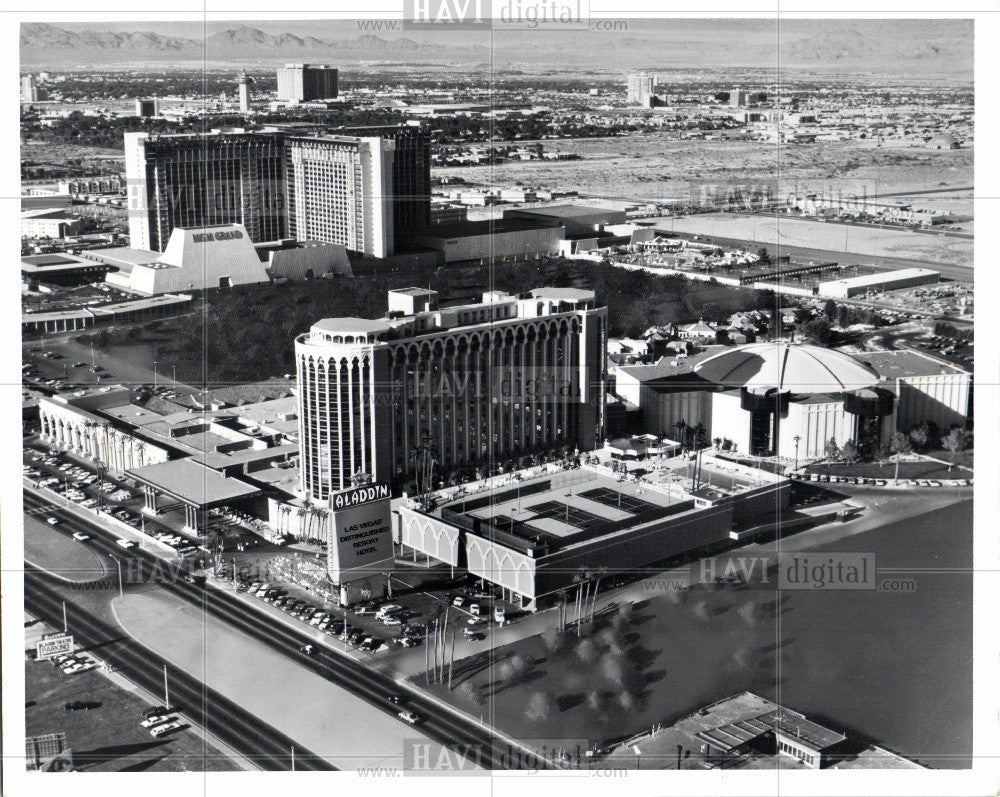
(379, 627)
(103, 721)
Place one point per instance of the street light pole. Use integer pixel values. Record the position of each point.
(121, 589)
(154, 374)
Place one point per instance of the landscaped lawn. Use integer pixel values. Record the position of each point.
(918, 469)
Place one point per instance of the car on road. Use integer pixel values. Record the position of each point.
(170, 727)
(499, 616)
(79, 535)
(309, 650)
(458, 601)
(408, 716)
(122, 543)
(472, 633)
(52, 521)
(391, 621)
(474, 609)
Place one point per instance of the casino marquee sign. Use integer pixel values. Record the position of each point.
(359, 495)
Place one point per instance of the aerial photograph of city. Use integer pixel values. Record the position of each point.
(441, 394)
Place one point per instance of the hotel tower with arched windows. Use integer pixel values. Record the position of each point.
(474, 384)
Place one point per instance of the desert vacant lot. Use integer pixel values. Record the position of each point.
(657, 166)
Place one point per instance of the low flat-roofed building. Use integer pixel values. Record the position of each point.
(928, 390)
(531, 536)
(576, 219)
(492, 239)
(196, 486)
(61, 268)
(746, 731)
(881, 281)
(48, 223)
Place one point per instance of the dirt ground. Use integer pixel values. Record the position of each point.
(655, 167)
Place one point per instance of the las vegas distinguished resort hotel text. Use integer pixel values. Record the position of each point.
(489, 382)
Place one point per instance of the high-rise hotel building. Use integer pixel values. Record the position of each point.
(340, 190)
(205, 180)
(411, 177)
(307, 82)
(476, 383)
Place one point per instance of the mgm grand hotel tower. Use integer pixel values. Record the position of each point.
(476, 384)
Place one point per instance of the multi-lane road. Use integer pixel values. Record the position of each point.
(437, 721)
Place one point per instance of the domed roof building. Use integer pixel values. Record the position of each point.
(785, 366)
(790, 399)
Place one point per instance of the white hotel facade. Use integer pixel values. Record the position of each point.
(477, 383)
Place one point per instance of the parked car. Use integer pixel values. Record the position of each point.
(162, 730)
(157, 719)
(387, 609)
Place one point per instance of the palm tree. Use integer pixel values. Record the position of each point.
(424, 457)
(681, 428)
(600, 573)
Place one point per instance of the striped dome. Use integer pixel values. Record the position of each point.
(792, 367)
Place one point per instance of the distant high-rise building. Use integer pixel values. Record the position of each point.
(147, 107)
(640, 87)
(29, 89)
(340, 190)
(243, 87)
(307, 82)
(411, 178)
(737, 98)
(201, 180)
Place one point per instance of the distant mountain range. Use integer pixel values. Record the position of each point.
(42, 44)
(898, 47)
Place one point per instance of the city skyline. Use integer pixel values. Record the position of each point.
(596, 400)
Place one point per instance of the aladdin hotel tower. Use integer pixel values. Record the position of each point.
(480, 382)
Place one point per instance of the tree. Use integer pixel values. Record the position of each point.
(818, 330)
(954, 442)
(899, 444)
(830, 310)
(919, 436)
(722, 336)
(850, 452)
(832, 450)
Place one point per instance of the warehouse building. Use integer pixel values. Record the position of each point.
(878, 282)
